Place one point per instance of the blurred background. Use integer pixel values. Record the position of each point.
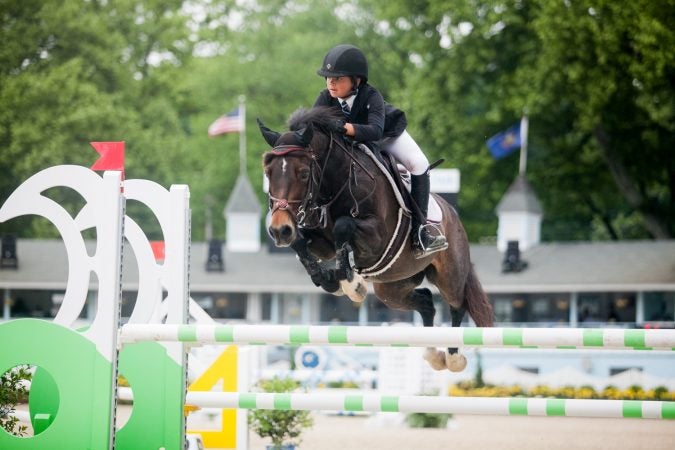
(595, 78)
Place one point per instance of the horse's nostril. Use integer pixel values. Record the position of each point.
(286, 231)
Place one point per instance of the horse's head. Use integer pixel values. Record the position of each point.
(292, 170)
(288, 169)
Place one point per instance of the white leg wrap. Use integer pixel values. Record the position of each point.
(455, 362)
(435, 358)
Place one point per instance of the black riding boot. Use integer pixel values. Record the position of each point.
(426, 238)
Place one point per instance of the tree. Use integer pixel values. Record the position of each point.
(596, 80)
(74, 72)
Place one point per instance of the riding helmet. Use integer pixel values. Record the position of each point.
(344, 60)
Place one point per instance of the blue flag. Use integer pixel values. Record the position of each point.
(504, 143)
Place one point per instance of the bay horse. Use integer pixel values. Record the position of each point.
(332, 199)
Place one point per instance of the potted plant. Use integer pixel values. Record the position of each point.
(283, 427)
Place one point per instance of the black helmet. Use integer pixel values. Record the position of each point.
(344, 60)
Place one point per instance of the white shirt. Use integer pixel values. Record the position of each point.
(349, 100)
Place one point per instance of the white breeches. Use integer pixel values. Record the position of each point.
(407, 152)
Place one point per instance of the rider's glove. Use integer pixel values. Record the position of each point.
(338, 126)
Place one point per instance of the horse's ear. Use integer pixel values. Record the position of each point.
(304, 136)
(271, 137)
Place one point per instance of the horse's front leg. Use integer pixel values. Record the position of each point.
(320, 276)
(353, 284)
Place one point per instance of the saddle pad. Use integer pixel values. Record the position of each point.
(434, 214)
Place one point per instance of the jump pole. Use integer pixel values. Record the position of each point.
(427, 404)
(553, 338)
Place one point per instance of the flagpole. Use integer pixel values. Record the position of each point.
(523, 144)
(242, 135)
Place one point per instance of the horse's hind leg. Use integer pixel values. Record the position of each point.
(402, 296)
(424, 304)
(455, 361)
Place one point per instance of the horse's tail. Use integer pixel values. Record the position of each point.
(476, 301)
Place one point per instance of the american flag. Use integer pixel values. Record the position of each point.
(232, 122)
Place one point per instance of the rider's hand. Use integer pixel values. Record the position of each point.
(338, 126)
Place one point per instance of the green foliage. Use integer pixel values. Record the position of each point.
(13, 392)
(427, 420)
(594, 77)
(281, 426)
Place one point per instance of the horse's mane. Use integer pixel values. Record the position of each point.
(321, 116)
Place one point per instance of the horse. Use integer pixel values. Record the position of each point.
(336, 205)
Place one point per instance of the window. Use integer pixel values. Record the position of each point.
(659, 306)
(222, 305)
(285, 308)
(549, 308)
(607, 307)
(379, 313)
(338, 309)
(502, 309)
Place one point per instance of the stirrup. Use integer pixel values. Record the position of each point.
(427, 243)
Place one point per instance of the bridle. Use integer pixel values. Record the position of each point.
(310, 214)
(276, 204)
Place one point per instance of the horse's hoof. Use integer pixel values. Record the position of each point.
(435, 358)
(356, 290)
(455, 362)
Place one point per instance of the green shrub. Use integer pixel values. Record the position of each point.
(13, 392)
(282, 426)
(427, 420)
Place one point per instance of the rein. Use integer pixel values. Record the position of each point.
(308, 205)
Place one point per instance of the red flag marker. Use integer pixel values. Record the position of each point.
(112, 156)
(157, 250)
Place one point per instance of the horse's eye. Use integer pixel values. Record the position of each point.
(304, 175)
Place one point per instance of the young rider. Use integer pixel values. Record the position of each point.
(368, 118)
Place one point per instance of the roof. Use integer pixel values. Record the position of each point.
(552, 267)
(520, 197)
(243, 199)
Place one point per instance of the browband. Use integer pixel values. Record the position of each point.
(285, 149)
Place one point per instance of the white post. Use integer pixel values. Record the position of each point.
(523, 144)
(574, 310)
(640, 308)
(242, 135)
(5, 307)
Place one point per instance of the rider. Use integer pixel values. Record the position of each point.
(368, 118)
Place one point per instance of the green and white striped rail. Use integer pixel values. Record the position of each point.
(404, 336)
(427, 404)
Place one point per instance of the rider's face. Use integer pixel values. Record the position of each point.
(339, 86)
